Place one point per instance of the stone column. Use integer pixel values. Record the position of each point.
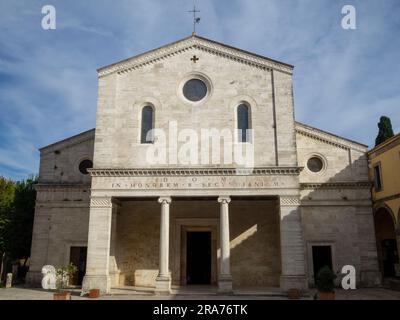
(114, 271)
(98, 254)
(293, 275)
(224, 276)
(163, 280)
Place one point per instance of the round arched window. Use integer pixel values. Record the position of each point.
(195, 90)
(85, 165)
(315, 164)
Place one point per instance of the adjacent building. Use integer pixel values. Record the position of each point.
(384, 168)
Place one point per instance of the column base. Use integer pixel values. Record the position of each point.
(225, 284)
(163, 285)
(101, 282)
(293, 282)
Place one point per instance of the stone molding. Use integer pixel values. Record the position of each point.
(336, 185)
(70, 141)
(291, 201)
(327, 138)
(336, 203)
(60, 187)
(194, 172)
(199, 43)
(101, 202)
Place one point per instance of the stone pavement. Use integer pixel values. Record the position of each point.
(20, 293)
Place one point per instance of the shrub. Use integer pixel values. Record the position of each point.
(325, 279)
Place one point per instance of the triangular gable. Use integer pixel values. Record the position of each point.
(199, 43)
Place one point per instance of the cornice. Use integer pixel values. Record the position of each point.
(384, 146)
(70, 141)
(195, 172)
(328, 138)
(336, 185)
(61, 187)
(194, 42)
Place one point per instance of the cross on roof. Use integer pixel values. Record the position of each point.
(195, 19)
(194, 59)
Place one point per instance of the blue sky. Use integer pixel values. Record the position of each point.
(344, 80)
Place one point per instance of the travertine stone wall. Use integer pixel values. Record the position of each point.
(138, 236)
(59, 163)
(255, 244)
(57, 227)
(62, 203)
(336, 203)
(122, 97)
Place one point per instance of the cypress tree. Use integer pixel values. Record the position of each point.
(385, 130)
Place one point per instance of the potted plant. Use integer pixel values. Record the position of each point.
(64, 274)
(326, 283)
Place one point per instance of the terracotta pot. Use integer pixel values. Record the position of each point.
(293, 294)
(94, 293)
(326, 295)
(62, 296)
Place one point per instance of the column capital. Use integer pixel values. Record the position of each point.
(100, 202)
(165, 200)
(224, 199)
(291, 201)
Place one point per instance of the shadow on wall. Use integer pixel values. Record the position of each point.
(138, 236)
(254, 242)
(338, 222)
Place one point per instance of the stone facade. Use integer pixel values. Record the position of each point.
(263, 222)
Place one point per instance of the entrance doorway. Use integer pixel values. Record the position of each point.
(322, 256)
(198, 257)
(386, 242)
(78, 258)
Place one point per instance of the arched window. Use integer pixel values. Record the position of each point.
(147, 125)
(243, 121)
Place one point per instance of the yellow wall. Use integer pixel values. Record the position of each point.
(388, 154)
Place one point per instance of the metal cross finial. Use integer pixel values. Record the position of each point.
(195, 19)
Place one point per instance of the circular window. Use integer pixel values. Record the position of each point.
(85, 165)
(195, 90)
(315, 164)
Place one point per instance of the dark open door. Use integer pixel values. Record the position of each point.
(389, 257)
(322, 256)
(198, 255)
(78, 258)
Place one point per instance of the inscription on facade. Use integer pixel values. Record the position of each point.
(199, 182)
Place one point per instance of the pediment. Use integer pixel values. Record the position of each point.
(199, 43)
(328, 138)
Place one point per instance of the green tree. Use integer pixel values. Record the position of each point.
(21, 222)
(7, 194)
(385, 130)
(17, 208)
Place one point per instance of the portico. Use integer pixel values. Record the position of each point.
(173, 215)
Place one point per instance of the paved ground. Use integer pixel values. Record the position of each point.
(20, 293)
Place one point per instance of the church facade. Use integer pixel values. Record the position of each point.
(148, 200)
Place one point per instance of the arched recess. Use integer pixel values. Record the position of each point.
(385, 232)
